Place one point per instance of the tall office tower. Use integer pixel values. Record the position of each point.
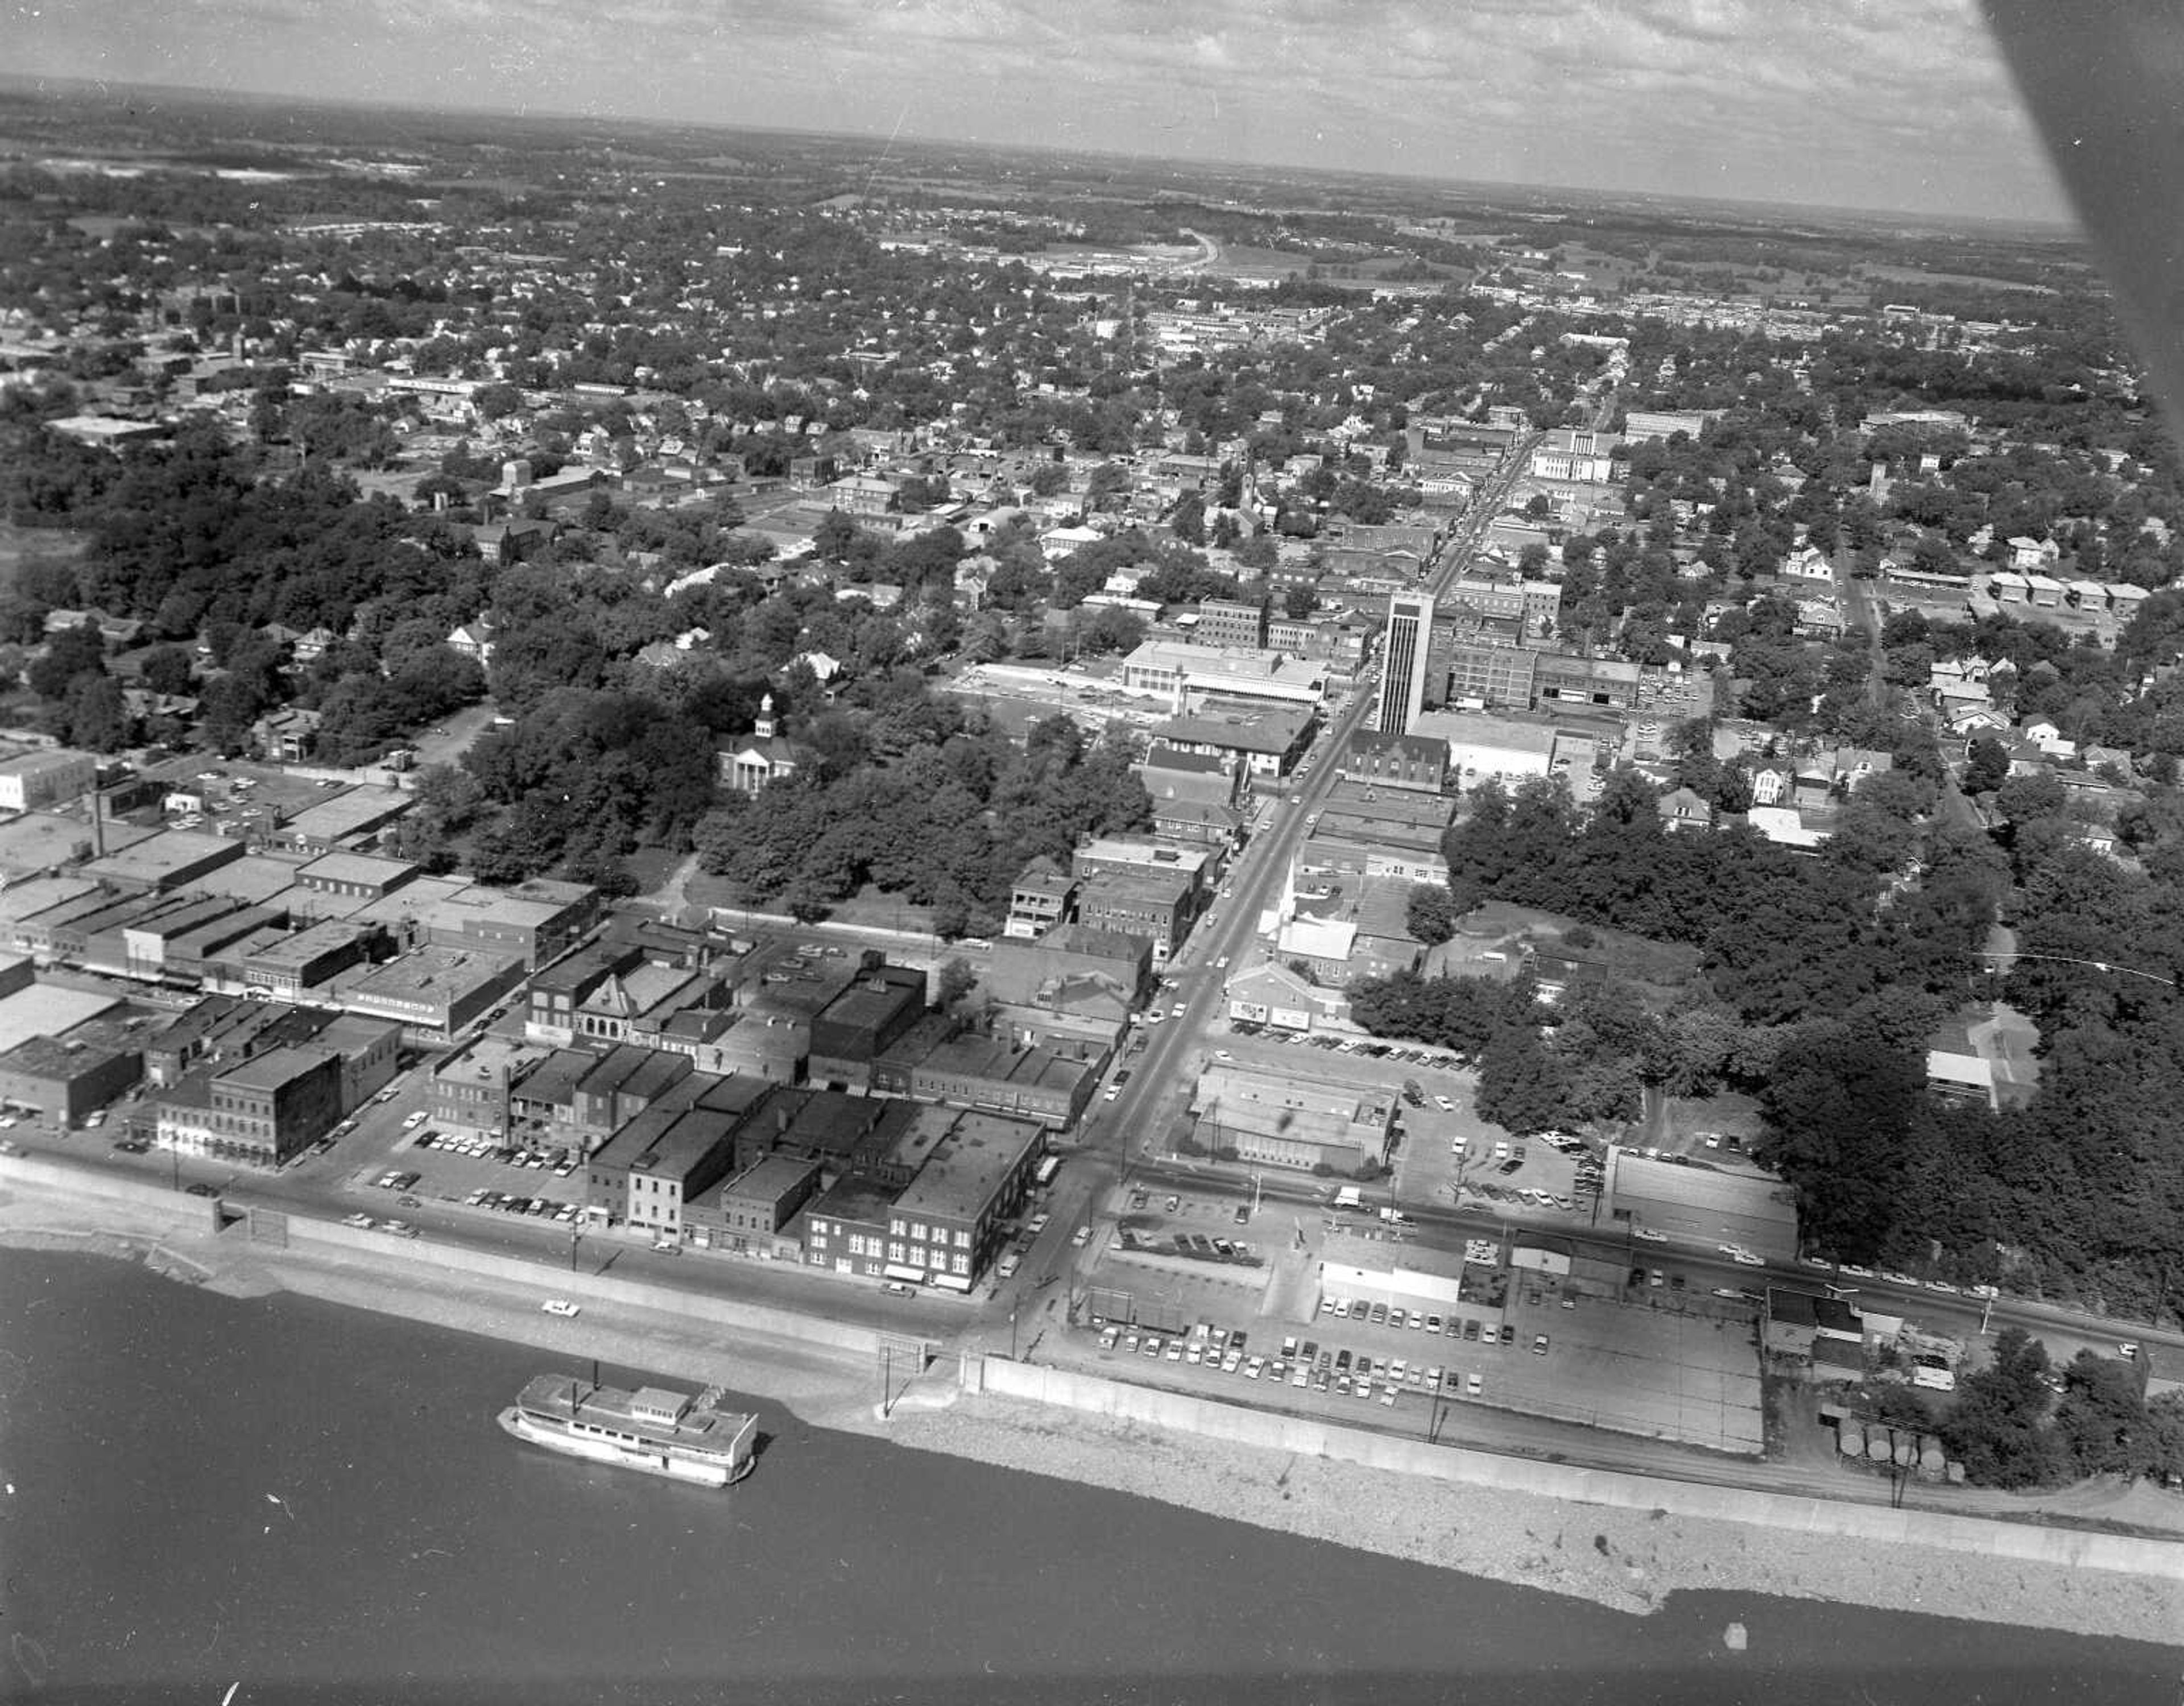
(1403, 661)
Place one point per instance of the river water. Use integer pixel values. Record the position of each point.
(315, 1504)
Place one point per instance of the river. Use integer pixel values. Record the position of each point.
(315, 1504)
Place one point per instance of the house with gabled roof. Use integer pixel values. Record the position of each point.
(1682, 808)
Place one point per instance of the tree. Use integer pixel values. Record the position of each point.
(835, 536)
(1432, 913)
(168, 670)
(1996, 1427)
(94, 715)
(75, 651)
(1987, 766)
(956, 981)
(1299, 602)
(2101, 1421)
(2022, 798)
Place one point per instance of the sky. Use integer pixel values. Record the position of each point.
(1900, 105)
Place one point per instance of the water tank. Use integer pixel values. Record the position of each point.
(1850, 1439)
(1907, 1451)
(1932, 1459)
(1876, 1445)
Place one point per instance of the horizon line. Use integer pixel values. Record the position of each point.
(48, 85)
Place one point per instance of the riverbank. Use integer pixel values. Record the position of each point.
(1629, 1560)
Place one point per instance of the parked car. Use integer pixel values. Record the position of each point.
(561, 1307)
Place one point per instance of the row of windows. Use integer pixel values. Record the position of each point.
(917, 1228)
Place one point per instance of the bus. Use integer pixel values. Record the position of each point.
(1047, 1169)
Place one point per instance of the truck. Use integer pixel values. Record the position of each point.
(1347, 1197)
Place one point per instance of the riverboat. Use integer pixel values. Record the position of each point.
(652, 1430)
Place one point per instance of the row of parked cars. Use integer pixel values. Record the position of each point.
(560, 1162)
(1307, 1367)
(1407, 1054)
(1467, 1328)
(536, 1208)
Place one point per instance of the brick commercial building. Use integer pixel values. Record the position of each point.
(749, 1211)
(260, 1113)
(68, 1077)
(1412, 763)
(946, 1225)
(862, 1023)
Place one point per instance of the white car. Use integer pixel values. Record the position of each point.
(410, 1121)
(1081, 1237)
(561, 1307)
(1745, 1258)
(1648, 1235)
(1221, 964)
(1176, 1012)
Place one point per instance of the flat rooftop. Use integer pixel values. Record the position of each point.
(48, 1010)
(969, 1165)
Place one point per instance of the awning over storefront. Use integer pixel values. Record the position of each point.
(895, 1270)
(952, 1282)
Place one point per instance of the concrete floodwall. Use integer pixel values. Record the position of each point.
(2074, 1547)
(41, 1172)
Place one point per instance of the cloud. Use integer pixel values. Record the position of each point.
(1851, 101)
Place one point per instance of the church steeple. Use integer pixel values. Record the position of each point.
(764, 728)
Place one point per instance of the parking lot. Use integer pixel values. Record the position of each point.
(448, 1169)
(1661, 1362)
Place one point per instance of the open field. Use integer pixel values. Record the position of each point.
(1637, 959)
